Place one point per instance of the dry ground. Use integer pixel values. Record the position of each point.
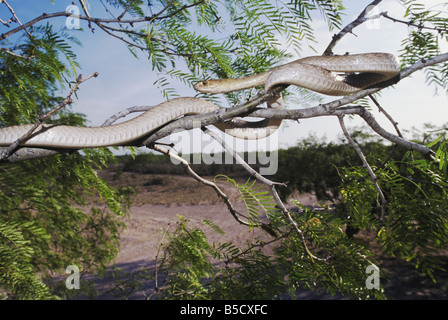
(160, 198)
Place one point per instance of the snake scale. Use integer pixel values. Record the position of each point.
(320, 74)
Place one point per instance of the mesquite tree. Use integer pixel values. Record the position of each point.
(402, 198)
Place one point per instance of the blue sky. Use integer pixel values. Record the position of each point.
(125, 81)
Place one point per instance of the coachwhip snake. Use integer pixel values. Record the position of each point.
(314, 73)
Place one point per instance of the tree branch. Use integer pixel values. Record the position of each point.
(16, 55)
(322, 110)
(97, 21)
(387, 115)
(177, 11)
(374, 178)
(124, 113)
(198, 178)
(271, 186)
(349, 28)
(240, 160)
(6, 152)
(126, 10)
(218, 116)
(410, 23)
(13, 14)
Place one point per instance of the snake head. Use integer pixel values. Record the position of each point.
(202, 86)
(217, 86)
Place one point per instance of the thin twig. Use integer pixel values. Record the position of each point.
(294, 225)
(240, 160)
(198, 178)
(126, 10)
(155, 16)
(349, 28)
(271, 186)
(124, 113)
(383, 202)
(411, 24)
(187, 6)
(89, 18)
(14, 15)
(16, 55)
(84, 8)
(121, 38)
(156, 266)
(388, 116)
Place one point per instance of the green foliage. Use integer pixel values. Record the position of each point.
(16, 270)
(413, 229)
(27, 84)
(243, 37)
(415, 224)
(258, 202)
(430, 28)
(45, 224)
(313, 165)
(341, 269)
(186, 258)
(193, 268)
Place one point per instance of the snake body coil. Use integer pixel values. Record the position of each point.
(314, 73)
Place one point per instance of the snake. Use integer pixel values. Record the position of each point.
(332, 75)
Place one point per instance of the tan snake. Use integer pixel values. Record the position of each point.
(314, 73)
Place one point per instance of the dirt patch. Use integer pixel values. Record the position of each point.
(160, 198)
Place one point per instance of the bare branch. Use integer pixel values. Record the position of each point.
(240, 160)
(349, 28)
(124, 113)
(32, 22)
(271, 186)
(5, 23)
(91, 19)
(14, 14)
(322, 110)
(423, 63)
(84, 8)
(294, 225)
(410, 23)
(16, 55)
(126, 10)
(388, 116)
(198, 178)
(157, 16)
(121, 38)
(221, 115)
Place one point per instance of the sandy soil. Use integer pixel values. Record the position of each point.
(157, 204)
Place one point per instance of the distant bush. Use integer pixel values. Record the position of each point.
(313, 165)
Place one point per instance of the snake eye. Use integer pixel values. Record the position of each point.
(204, 83)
